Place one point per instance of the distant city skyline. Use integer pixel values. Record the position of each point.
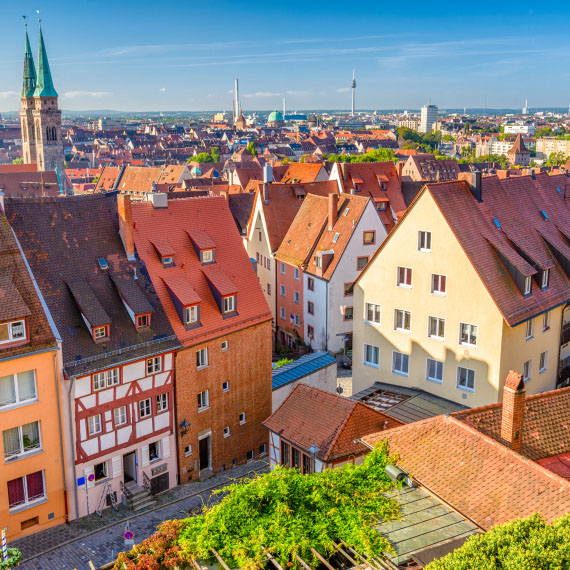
(181, 57)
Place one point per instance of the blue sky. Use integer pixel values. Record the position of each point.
(174, 55)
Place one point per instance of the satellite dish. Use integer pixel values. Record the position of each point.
(339, 390)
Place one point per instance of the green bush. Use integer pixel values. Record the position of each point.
(14, 557)
(282, 362)
(523, 544)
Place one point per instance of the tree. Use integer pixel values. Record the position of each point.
(529, 543)
(251, 149)
(200, 158)
(18, 161)
(556, 159)
(215, 154)
(282, 512)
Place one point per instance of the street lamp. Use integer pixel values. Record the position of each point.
(184, 425)
(313, 450)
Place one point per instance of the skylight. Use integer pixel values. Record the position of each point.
(544, 214)
(335, 238)
(497, 223)
(103, 263)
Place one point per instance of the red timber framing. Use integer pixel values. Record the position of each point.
(133, 396)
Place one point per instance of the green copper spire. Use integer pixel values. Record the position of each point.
(29, 70)
(44, 86)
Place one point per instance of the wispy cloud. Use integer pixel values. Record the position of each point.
(298, 93)
(261, 94)
(8, 94)
(162, 89)
(78, 94)
(343, 90)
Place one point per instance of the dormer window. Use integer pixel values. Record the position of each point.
(381, 206)
(12, 332)
(143, 321)
(229, 304)
(357, 187)
(191, 315)
(318, 261)
(527, 285)
(99, 333)
(167, 261)
(207, 256)
(545, 278)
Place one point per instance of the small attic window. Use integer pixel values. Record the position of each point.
(545, 279)
(527, 285)
(335, 238)
(229, 304)
(101, 333)
(168, 261)
(12, 332)
(346, 212)
(497, 223)
(381, 207)
(559, 191)
(143, 321)
(544, 215)
(103, 263)
(207, 256)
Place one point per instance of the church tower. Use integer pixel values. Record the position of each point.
(46, 116)
(26, 112)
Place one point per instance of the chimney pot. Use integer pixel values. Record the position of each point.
(512, 415)
(333, 209)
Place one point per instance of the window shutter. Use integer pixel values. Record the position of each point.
(145, 455)
(165, 447)
(89, 471)
(117, 462)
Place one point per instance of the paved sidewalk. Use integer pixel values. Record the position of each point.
(75, 544)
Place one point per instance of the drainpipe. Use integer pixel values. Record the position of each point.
(327, 316)
(72, 446)
(62, 458)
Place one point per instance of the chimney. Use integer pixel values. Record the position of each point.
(333, 209)
(512, 418)
(400, 170)
(126, 225)
(475, 181)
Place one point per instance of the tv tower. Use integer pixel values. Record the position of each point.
(237, 109)
(353, 85)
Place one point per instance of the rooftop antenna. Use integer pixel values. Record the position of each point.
(39, 17)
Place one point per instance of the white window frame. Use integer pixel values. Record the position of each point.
(202, 358)
(467, 343)
(376, 311)
(229, 304)
(169, 260)
(296, 297)
(424, 240)
(225, 345)
(153, 365)
(282, 268)
(407, 273)
(282, 313)
(436, 279)
(545, 280)
(22, 506)
(527, 285)
(225, 386)
(15, 382)
(203, 400)
(543, 362)
(227, 431)
(106, 379)
(145, 408)
(252, 453)
(207, 256)
(375, 351)
(97, 332)
(438, 321)
(23, 453)
(14, 326)
(404, 358)
(191, 315)
(529, 329)
(296, 274)
(142, 321)
(120, 416)
(242, 418)
(188, 451)
(527, 370)
(105, 470)
(297, 320)
(546, 321)
(282, 290)
(466, 387)
(404, 313)
(438, 364)
(94, 425)
(161, 402)
(158, 448)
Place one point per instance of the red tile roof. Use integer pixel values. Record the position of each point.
(481, 478)
(311, 416)
(301, 172)
(219, 280)
(212, 216)
(559, 464)
(181, 289)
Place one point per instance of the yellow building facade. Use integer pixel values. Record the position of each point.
(445, 336)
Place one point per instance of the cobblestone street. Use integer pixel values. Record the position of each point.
(74, 545)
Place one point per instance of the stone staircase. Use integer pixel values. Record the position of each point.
(138, 498)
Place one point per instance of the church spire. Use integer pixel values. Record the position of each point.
(44, 86)
(29, 83)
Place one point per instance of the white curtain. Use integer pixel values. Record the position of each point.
(11, 439)
(7, 391)
(31, 435)
(26, 385)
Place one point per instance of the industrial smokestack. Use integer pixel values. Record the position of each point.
(283, 108)
(237, 99)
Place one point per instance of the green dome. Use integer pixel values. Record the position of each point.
(274, 117)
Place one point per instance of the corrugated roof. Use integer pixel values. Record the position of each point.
(300, 368)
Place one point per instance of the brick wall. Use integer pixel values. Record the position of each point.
(246, 365)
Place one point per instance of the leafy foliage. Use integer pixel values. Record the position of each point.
(14, 557)
(282, 512)
(282, 362)
(524, 544)
(556, 159)
(378, 155)
(19, 160)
